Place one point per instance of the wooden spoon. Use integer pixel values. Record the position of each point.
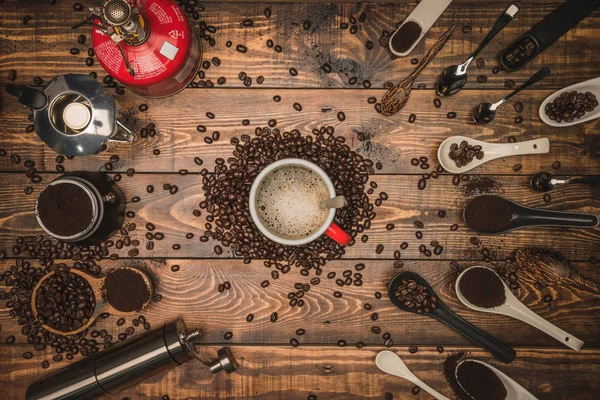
(101, 306)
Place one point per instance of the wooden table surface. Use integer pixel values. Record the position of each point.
(269, 367)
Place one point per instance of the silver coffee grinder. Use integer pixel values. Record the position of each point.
(125, 365)
(73, 114)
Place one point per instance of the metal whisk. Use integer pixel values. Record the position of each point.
(396, 97)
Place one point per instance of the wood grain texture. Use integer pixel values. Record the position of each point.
(391, 140)
(191, 293)
(172, 215)
(275, 372)
(49, 38)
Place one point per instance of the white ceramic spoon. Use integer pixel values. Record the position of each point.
(512, 307)
(514, 391)
(593, 85)
(425, 14)
(491, 151)
(392, 364)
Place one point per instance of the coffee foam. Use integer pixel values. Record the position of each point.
(287, 202)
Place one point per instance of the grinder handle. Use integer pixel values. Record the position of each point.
(28, 96)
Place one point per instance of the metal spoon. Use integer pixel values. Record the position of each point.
(523, 217)
(392, 364)
(514, 391)
(454, 77)
(491, 151)
(499, 350)
(545, 181)
(336, 202)
(512, 307)
(484, 113)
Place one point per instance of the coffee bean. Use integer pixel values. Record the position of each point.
(451, 115)
(415, 390)
(241, 48)
(480, 63)
(509, 83)
(518, 119)
(518, 107)
(546, 198)
(437, 102)
(467, 28)
(556, 165)
(306, 25)
(297, 107)
(77, 7)
(273, 317)
(379, 249)
(12, 75)
(517, 167)
(482, 79)
(293, 71)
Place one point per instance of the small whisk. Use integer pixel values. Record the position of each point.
(396, 97)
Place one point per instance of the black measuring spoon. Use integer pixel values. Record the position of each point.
(544, 181)
(501, 351)
(492, 215)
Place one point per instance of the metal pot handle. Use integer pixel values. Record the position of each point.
(122, 134)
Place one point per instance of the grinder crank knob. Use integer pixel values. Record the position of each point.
(226, 362)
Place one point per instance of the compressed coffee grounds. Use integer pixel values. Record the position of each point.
(65, 301)
(125, 289)
(482, 287)
(406, 36)
(416, 296)
(480, 382)
(464, 153)
(489, 214)
(449, 369)
(569, 106)
(65, 209)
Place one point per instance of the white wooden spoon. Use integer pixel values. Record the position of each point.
(593, 86)
(392, 364)
(512, 307)
(514, 391)
(491, 151)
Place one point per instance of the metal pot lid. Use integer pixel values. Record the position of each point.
(91, 128)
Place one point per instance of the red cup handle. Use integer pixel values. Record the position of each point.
(336, 233)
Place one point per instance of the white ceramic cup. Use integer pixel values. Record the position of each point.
(329, 227)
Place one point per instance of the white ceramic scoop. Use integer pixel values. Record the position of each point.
(392, 364)
(491, 151)
(512, 307)
(593, 86)
(514, 391)
(425, 14)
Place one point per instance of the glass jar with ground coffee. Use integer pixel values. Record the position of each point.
(81, 207)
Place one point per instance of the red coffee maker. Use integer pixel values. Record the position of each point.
(148, 45)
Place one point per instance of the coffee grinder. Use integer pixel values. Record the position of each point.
(149, 46)
(129, 363)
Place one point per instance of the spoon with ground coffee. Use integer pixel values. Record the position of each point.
(492, 215)
(124, 291)
(481, 289)
(459, 154)
(411, 293)
(482, 381)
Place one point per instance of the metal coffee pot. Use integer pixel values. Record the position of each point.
(73, 114)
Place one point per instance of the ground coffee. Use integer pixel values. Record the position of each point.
(65, 209)
(125, 289)
(406, 36)
(449, 370)
(489, 214)
(480, 382)
(482, 287)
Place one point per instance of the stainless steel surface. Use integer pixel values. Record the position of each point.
(226, 362)
(117, 12)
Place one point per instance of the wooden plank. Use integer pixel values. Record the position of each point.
(172, 215)
(272, 372)
(393, 141)
(191, 293)
(50, 39)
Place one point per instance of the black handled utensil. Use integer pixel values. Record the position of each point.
(545, 181)
(499, 350)
(546, 32)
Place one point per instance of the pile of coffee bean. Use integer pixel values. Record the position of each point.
(464, 153)
(522, 51)
(570, 106)
(65, 301)
(416, 296)
(227, 192)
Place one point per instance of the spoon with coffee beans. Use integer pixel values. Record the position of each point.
(484, 113)
(572, 105)
(482, 381)
(481, 289)
(411, 293)
(68, 302)
(545, 181)
(493, 215)
(459, 154)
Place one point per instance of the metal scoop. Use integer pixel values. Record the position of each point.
(545, 181)
(392, 364)
(527, 216)
(336, 202)
(484, 113)
(514, 391)
(454, 77)
(512, 307)
(499, 350)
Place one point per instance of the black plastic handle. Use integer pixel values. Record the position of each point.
(538, 76)
(501, 351)
(28, 96)
(590, 180)
(504, 19)
(536, 216)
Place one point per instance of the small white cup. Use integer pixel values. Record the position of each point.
(329, 227)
